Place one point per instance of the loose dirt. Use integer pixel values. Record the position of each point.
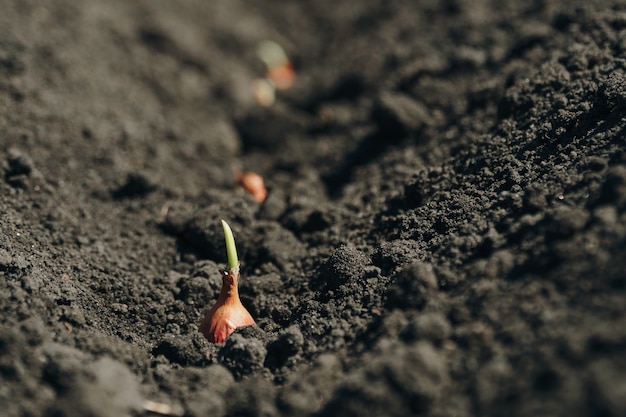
(444, 232)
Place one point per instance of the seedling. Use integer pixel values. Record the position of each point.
(228, 313)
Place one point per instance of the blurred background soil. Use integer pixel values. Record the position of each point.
(444, 231)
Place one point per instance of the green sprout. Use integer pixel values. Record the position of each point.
(231, 248)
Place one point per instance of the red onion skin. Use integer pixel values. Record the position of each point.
(228, 313)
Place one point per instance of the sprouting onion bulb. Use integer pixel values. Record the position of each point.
(228, 313)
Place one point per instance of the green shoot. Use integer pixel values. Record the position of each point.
(231, 248)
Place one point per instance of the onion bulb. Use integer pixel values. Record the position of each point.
(228, 313)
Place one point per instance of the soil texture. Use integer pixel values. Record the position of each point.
(444, 232)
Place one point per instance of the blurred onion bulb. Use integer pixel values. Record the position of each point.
(228, 313)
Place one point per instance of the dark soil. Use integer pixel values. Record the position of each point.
(445, 231)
